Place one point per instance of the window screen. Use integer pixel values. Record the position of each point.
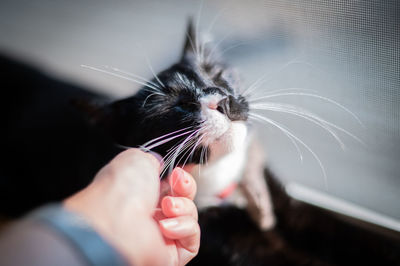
(346, 51)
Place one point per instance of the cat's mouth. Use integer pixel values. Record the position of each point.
(220, 120)
(215, 125)
(232, 139)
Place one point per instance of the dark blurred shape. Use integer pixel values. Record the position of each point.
(49, 149)
(304, 235)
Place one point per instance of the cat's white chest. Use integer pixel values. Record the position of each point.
(224, 169)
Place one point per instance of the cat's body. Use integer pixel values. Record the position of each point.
(191, 113)
(52, 152)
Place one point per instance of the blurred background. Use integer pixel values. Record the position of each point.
(348, 51)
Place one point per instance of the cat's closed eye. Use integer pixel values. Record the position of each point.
(187, 103)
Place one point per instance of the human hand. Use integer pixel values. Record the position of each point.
(124, 205)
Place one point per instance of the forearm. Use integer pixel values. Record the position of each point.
(49, 236)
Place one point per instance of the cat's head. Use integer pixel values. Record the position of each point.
(194, 106)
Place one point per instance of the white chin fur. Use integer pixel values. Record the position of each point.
(224, 166)
(214, 126)
(227, 143)
(233, 139)
(221, 135)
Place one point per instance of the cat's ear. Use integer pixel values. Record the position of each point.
(190, 39)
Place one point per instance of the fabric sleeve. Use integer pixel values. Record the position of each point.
(53, 235)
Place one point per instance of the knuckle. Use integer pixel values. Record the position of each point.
(196, 244)
(131, 159)
(195, 225)
(130, 156)
(192, 209)
(111, 170)
(197, 228)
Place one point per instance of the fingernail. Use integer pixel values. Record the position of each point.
(169, 223)
(170, 203)
(180, 176)
(158, 156)
(177, 175)
(185, 178)
(174, 203)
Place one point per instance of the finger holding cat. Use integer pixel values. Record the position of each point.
(182, 184)
(178, 206)
(178, 216)
(179, 190)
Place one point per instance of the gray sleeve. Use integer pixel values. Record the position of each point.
(55, 236)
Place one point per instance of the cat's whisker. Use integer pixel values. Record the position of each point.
(200, 139)
(166, 135)
(313, 96)
(183, 165)
(307, 116)
(148, 97)
(179, 150)
(181, 146)
(164, 141)
(134, 76)
(202, 154)
(197, 30)
(305, 112)
(193, 45)
(217, 16)
(123, 146)
(160, 140)
(185, 146)
(188, 151)
(276, 124)
(204, 48)
(168, 158)
(190, 156)
(146, 57)
(173, 147)
(170, 162)
(214, 49)
(121, 76)
(264, 78)
(255, 117)
(152, 71)
(234, 46)
(176, 146)
(253, 98)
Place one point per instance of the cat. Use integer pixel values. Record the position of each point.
(194, 113)
(52, 151)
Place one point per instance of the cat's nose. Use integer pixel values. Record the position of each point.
(223, 106)
(212, 105)
(217, 104)
(232, 108)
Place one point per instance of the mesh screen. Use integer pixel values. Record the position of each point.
(347, 51)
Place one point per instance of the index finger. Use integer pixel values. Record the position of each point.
(182, 184)
(136, 173)
(134, 156)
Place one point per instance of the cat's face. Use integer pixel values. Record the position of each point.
(195, 105)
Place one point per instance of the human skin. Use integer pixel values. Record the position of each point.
(148, 221)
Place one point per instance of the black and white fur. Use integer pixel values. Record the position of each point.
(51, 152)
(192, 112)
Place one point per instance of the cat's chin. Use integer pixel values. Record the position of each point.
(233, 139)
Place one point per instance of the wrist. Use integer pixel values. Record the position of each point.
(79, 233)
(123, 224)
